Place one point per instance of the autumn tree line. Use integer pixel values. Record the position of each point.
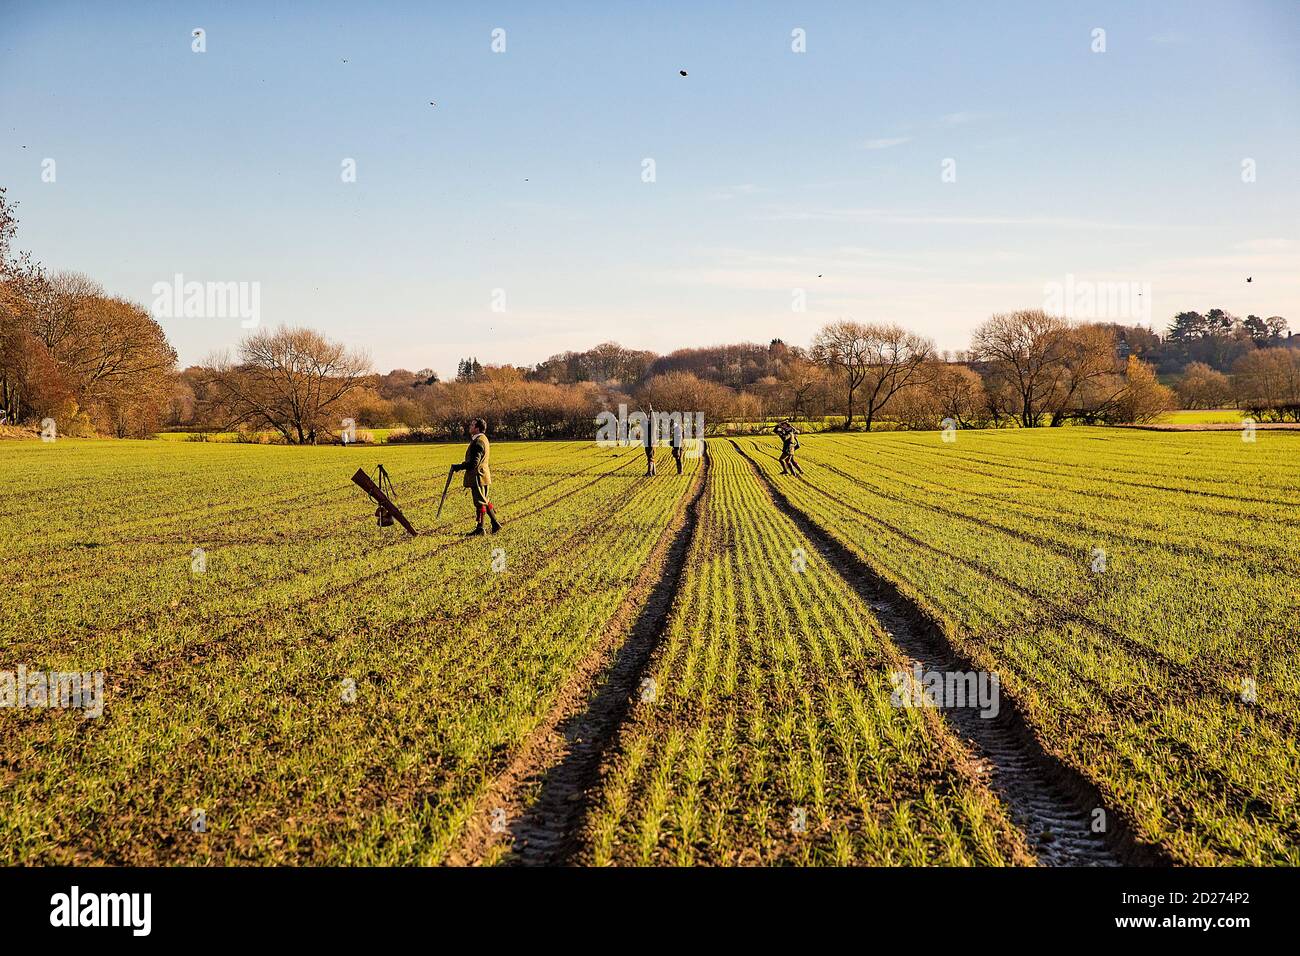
(69, 351)
(98, 364)
(1024, 369)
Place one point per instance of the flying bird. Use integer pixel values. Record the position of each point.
(682, 72)
(1248, 278)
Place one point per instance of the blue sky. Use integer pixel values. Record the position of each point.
(772, 168)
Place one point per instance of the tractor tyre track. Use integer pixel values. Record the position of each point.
(1182, 674)
(536, 806)
(1052, 803)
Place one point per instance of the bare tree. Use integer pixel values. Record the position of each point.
(687, 393)
(876, 361)
(1089, 377)
(59, 310)
(1025, 353)
(958, 392)
(290, 380)
(842, 348)
(1203, 387)
(800, 378)
(1143, 398)
(898, 360)
(1267, 383)
(8, 227)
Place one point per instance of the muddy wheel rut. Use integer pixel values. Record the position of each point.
(537, 806)
(1051, 803)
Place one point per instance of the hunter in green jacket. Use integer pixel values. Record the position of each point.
(478, 475)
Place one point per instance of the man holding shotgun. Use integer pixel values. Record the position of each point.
(675, 439)
(648, 438)
(478, 476)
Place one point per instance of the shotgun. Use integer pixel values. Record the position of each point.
(444, 494)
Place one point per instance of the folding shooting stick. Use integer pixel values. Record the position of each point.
(385, 503)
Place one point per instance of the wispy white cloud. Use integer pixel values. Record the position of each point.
(962, 118)
(552, 210)
(899, 217)
(887, 142)
(944, 290)
(1272, 264)
(1291, 246)
(841, 273)
(740, 189)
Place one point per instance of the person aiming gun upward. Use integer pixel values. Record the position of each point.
(478, 476)
(789, 445)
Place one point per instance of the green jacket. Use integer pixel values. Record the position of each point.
(475, 465)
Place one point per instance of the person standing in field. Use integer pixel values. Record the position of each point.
(794, 447)
(648, 442)
(675, 439)
(789, 444)
(478, 476)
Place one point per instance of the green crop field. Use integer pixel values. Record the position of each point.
(1135, 592)
(695, 669)
(1212, 416)
(776, 705)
